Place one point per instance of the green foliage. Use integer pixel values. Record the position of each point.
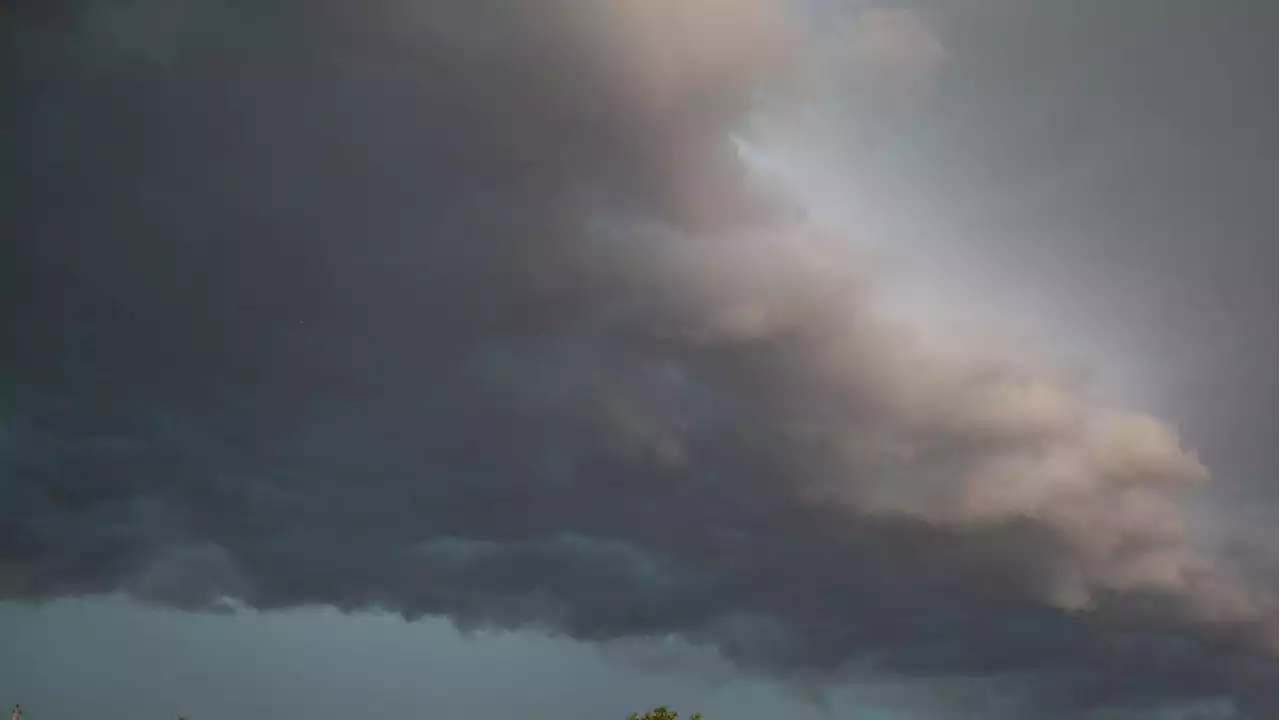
(662, 713)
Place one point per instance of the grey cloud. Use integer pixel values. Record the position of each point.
(478, 314)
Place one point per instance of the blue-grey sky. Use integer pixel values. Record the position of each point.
(768, 359)
(108, 658)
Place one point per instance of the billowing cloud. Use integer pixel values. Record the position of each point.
(476, 312)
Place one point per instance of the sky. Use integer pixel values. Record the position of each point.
(765, 358)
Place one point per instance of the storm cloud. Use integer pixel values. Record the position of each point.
(479, 312)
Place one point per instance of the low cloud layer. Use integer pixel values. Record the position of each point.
(479, 313)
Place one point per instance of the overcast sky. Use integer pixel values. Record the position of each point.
(768, 359)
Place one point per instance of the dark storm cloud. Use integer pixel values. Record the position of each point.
(476, 313)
